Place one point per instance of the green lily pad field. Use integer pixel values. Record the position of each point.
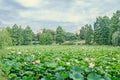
(60, 63)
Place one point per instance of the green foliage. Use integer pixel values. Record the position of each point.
(114, 24)
(45, 38)
(52, 32)
(82, 33)
(76, 73)
(27, 36)
(104, 28)
(14, 34)
(35, 39)
(70, 36)
(60, 38)
(5, 39)
(62, 63)
(19, 35)
(88, 34)
(116, 38)
(9, 30)
(101, 30)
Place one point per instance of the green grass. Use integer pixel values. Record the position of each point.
(52, 58)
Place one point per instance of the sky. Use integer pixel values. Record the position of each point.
(49, 14)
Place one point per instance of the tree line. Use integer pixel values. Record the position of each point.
(105, 31)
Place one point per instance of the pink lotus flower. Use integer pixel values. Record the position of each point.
(86, 59)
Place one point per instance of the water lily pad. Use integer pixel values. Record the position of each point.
(94, 76)
(77, 76)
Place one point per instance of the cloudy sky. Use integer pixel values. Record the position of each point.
(70, 14)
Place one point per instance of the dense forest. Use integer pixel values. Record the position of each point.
(105, 31)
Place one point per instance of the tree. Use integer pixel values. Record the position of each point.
(101, 30)
(35, 39)
(88, 34)
(60, 38)
(20, 34)
(116, 38)
(114, 24)
(14, 34)
(45, 38)
(82, 33)
(5, 39)
(70, 36)
(50, 32)
(27, 35)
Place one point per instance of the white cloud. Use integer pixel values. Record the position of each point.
(72, 15)
(53, 15)
(82, 3)
(30, 3)
(79, 12)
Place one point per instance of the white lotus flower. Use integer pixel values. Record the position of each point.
(19, 53)
(91, 65)
(37, 61)
(68, 63)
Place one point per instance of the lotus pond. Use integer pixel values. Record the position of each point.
(61, 63)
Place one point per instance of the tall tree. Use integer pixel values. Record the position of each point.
(114, 24)
(82, 33)
(15, 34)
(88, 34)
(20, 34)
(101, 30)
(60, 37)
(28, 36)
